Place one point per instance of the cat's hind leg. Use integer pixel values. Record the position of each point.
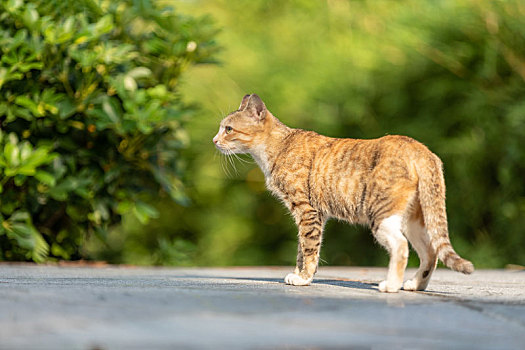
(389, 234)
(420, 241)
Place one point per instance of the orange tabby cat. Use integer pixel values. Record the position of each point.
(394, 184)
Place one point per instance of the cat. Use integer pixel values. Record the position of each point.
(394, 184)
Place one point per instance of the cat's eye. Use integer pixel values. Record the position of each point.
(228, 129)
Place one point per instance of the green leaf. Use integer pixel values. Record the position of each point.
(110, 109)
(19, 216)
(61, 191)
(129, 83)
(3, 76)
(19, 180)
(57, 250)
(66, 108)
(172, 186)
(13, 5)
(45, 178)
(104, 25)
(12, 154)
(25, 151)
(20, 228)
(139, 72)
(25, 101)
(84, 192)
(124, 207)
(31, 17)
(144, 212)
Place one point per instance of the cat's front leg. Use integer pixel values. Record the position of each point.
(299, 263)
(310, 224)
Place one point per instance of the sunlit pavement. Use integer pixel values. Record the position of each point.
(49, 307)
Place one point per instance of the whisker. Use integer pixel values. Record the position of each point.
(225, 167)
(232, 162)
(229, 172)
(225, 162)
(229, 165)
(233, 156)
(243, 160)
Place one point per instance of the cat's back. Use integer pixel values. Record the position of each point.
(343, 176)
(323, 153)
(347, 175)
(369, 154)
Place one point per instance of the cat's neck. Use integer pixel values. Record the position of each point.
(266, 151)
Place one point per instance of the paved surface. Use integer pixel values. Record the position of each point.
(46, 307)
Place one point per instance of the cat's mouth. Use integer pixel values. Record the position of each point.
(222, 148)
(227, 150)
(217, 144)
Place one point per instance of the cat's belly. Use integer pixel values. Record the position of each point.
(343, 199)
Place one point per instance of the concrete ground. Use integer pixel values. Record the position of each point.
(49, 307)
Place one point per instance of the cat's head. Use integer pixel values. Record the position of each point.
(244, 129)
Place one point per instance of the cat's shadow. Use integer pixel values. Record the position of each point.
(348, 284)
(326, 281)
(340, 283)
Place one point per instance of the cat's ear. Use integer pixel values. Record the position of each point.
(256, 107)
(244, 102)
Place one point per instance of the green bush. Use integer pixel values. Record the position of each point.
(91, 117)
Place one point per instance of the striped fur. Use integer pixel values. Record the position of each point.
(431, 188)
(394, 184)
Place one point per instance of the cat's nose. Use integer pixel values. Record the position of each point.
(215, 140)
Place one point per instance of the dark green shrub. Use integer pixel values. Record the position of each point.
(90, 116)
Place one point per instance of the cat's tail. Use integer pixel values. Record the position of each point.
(431, 189)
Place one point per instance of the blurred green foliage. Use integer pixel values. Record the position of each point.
(95, 121)
(448, 73)
(91, 118)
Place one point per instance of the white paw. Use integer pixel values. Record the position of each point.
(388, 288)
(296, 280)
(411, 285)
(414, 284)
